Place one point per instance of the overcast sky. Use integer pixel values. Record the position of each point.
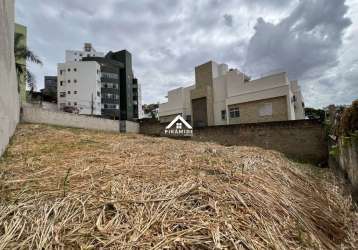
(314, 41)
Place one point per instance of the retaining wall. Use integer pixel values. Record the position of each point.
(9, 95)
(344, 158)
(301, 139)
(38, 115)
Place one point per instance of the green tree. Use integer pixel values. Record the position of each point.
(316, 114)
(151, 109)
(23, 54)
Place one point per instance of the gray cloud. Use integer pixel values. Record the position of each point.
(168, 38)
(306, 42)
(229, 20)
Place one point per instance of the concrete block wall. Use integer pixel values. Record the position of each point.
(300, 139)
(9, 96)
(132, 127)
(345, 160)
(249, 111)
(37, 115)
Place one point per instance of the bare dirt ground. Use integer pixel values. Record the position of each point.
(67, 188)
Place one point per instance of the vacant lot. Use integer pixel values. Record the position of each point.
(72, 188)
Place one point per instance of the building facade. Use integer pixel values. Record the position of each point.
(50, 84)
(78, 55)
(79, 87)
(110, 86)
(221, 96)
(119, 90)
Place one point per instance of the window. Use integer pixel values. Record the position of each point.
(69, 103)
(75, 92)
(75, 103)
(61, 71)
(109, 75)
(98, 94)
(179, 125)
(61, 83)
(75, 81)
(68, 92)
(110, 106)
(75, 70)
(62, 94)
(68, 70)
(265, 109)
(69, 81)
(81, 55)
(234, 112)
(223, 114)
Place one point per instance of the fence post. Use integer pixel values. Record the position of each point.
(122, 126)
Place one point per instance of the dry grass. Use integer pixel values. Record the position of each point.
(68, 188)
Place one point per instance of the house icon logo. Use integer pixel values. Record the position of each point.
(179, 127)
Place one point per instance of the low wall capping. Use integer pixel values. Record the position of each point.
(303, 140)
(38, 115)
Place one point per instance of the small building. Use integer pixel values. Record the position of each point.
(221, 96)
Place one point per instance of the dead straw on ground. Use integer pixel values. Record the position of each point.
(70, 188)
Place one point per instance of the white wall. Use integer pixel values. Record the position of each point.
(230, 87)
(77, 55)
(140, 105)
(178, 102)
(37, 115)
(132, 127)
(9, 96)
(299, 103)
(219, 102)
(88, 84)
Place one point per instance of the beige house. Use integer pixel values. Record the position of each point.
(221, 96)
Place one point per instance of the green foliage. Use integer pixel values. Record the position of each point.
(334, 151)
(151, 109)
(23, 54)
(316, 114)
(349, 120)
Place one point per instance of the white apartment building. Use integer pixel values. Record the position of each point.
(79, 87)
(77, 55)
(221, 96)
(139, 102)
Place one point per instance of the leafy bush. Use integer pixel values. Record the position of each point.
(349, 120)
